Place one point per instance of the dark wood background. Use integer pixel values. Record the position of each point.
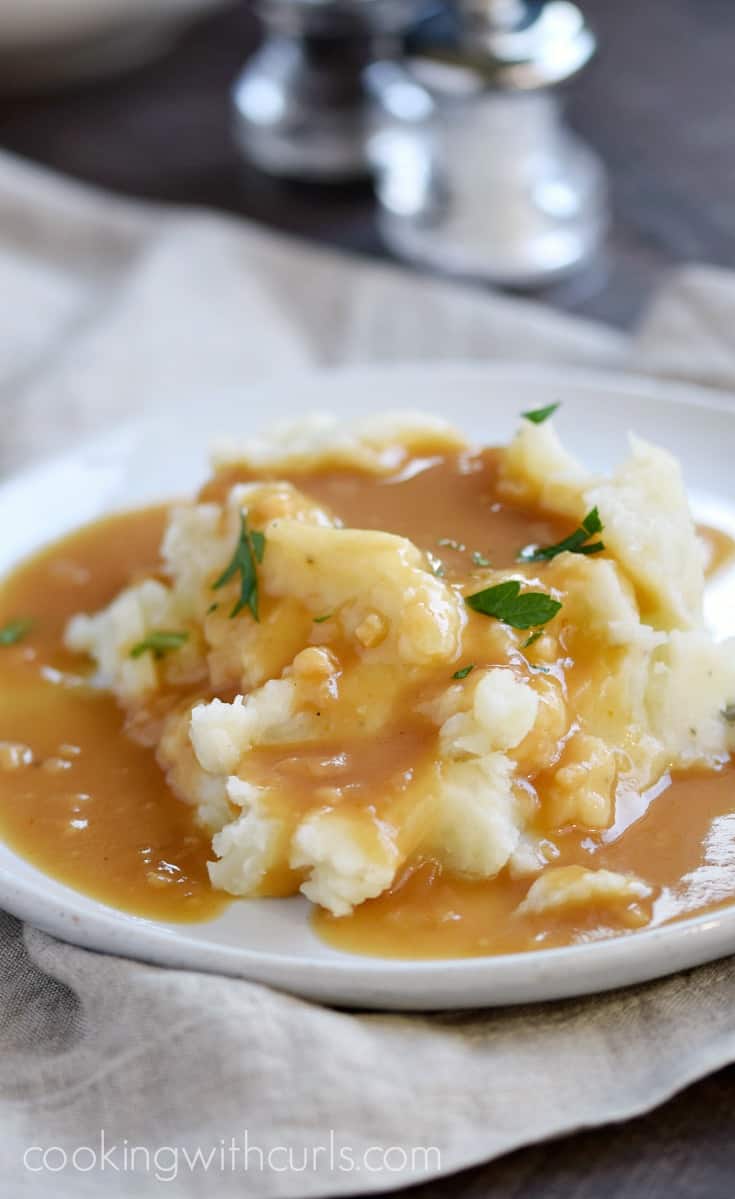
(658, 104)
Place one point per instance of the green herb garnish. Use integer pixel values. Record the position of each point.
(520, 610)
(577, 542)
(462, 674)
(248, 551)
(539, 415)
(15, 630)
(530, 640)
(321, 619)
(257, 540)
(480, 559)
(159, 642)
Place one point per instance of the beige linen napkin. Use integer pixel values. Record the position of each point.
(124, 1079)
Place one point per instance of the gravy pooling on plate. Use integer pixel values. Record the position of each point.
(92, 808)
(681, 838)
(84, 798)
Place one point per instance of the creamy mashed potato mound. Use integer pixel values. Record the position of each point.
(356, 712)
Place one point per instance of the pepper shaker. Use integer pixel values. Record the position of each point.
(327, 77)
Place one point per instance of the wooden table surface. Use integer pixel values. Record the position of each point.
(658, 106)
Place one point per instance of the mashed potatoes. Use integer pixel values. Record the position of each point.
(324, 694)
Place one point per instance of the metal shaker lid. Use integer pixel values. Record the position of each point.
(514, 45)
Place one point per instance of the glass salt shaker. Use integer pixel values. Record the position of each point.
(491, 183)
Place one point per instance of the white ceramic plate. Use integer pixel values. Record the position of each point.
(271, 940)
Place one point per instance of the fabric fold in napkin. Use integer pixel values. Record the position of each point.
(222, 1085)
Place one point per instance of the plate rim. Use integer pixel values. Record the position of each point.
(661, 388)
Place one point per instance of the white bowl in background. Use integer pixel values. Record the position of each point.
(51, 42)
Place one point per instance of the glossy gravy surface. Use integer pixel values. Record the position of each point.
(445, 504)
(94, 810)
(680, 839)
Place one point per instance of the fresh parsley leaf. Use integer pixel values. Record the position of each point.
(321, 619)
(539, 415)
(249, 550)
(480, 559)
(530, 640)
(159, 642)
(592, 523)
(520, 610)
(462, 674)
(257, 540)
(577, 542)
(15, 630)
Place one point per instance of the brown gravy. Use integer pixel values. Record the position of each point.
(94, 810)
(682, 841)
(446, 504)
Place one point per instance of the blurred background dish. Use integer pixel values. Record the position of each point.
(46, 43)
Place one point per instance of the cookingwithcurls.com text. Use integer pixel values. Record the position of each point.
(237, 1154)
